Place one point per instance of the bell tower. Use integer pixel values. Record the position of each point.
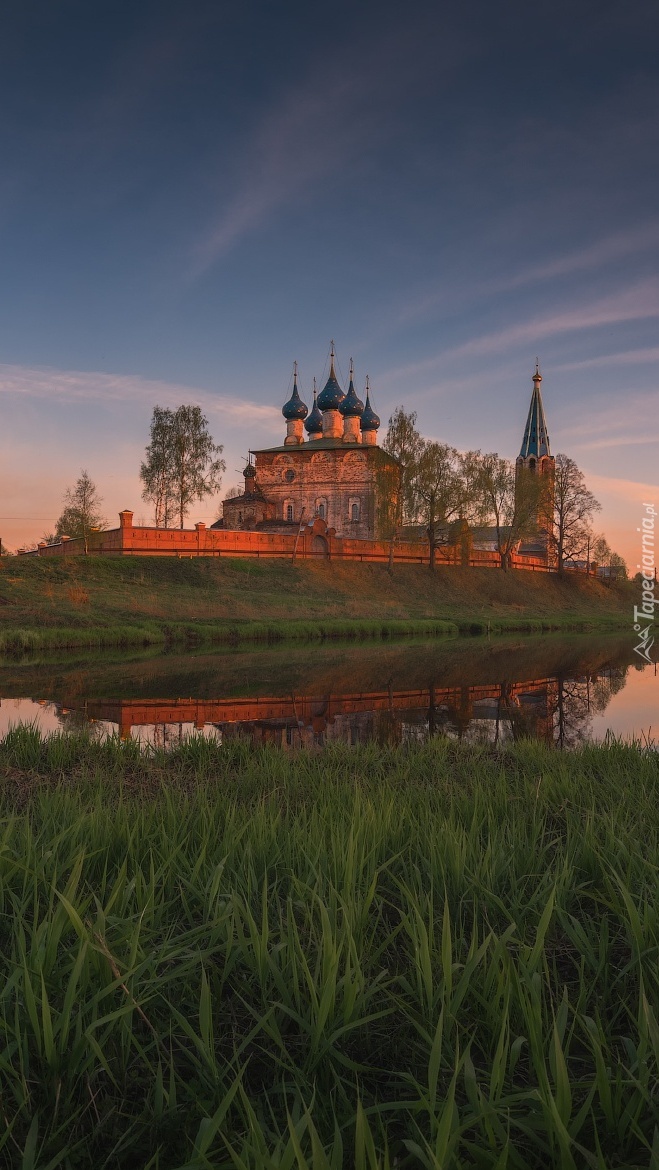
(535, 458)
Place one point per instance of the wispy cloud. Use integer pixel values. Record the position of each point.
(629, 491)
(650, 438)
(611, 415)
(339, 114)
(630, 357)
(617, 421)
(637, 303)
(614, 247)
(73, 386)
(314, 131)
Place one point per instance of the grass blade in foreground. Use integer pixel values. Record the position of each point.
(418, 956)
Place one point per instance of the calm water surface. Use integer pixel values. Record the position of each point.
(561, 690)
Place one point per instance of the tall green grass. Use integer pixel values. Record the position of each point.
(435, 956)
(20, 641)
(17, 641)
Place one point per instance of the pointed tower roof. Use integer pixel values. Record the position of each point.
(295, 407)
(352, 406)
(536, 435)
(370, 420)
(331, 395)
(314, 423)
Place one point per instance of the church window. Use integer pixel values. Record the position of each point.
(354, 512)
(354, 509)
(289, 475)
(321, 508)
(289, 511)
(321, 511)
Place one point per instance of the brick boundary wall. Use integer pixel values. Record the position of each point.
(314, 541)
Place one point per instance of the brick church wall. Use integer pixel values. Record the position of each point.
(343, 483)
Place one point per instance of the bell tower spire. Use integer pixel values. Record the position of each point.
(535, 444)
(535, 458)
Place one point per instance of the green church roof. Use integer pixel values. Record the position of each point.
(536, 435)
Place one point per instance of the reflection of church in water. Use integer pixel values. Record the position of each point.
(557, 710)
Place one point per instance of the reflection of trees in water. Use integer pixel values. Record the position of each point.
(560, 711)
(557, 709)
(574, 702)
(169, 735)
(76, 719)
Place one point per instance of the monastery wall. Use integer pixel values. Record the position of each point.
(314, 541)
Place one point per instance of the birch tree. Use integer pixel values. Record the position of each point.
(182, 463)
(82, 511)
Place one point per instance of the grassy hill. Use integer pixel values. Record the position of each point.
(104, 601)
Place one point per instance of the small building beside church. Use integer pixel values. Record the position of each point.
(336, 472)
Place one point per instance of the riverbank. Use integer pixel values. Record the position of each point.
(431, 955)
(95, 602)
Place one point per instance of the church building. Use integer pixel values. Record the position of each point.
(336, 473)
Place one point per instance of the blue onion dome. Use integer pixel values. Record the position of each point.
(352, 406)
(314, 423)
(370, 420)
(331, 395)
(295, 407)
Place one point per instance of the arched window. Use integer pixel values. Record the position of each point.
(321, 511)
(321, 508)
(354, 509)
(289, 511)
(531, 464)
(354, 512)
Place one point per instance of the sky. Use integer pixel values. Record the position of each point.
(195, 194)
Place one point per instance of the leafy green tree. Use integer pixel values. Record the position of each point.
(438, 484)
(182, 463)
(574, 506)
(603, 554)
(82, 511)
(511, 501)
(156, 470)
(437, 488)
(404, 442)
(600, 549)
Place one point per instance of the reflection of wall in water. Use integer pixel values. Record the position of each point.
(496, 719)
(359, 727)
(556, 710)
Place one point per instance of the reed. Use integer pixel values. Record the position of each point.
(20, 641)
(440, 955)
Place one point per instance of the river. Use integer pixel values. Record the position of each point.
(563, 690)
